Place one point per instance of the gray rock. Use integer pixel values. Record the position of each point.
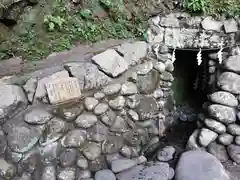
(68, 112)
(192, 143)
(3, 142)
(101, 108)
(141, 160)
(237, 140)
(112, 144)
(49, 152)
(120, 165)
(229, 81)
(133, 101)
(113, 156)
(54, 130)
(166, 154)
(224, 98)
(222, 113)
(90, 103)
(158, 93)
(144, 68)
(37, 116)
(126, 151)
(91, 151)
(207, 167)
(117, 103)
(21, 137)
(7, 170)
(134, 116)
(218, 150)
(30, 88)
(166, 76)
(108, 118)
(133, 52)
(89, 76)
(154, 171)
(206, 136)
(112, 89)
(30, 161)
(86, 120)
(234, 129)
(230, 26)
(232, 63)
(68, 157)
(67, 174)
(97, 133)
(169, 66)
(49, 173)
(12, 101)
(169, 21)
(120, 125)
(74, 138)
(98, 164)
(164, 57)
(128, 88)
(225, 139)
(104, 174)
(82, 162)
(215, 126)
(99, 95)
(234, 152)
(211, 25)
(148, 83)
(160, 67)
(24, 176)
(82, 174)
(110, 62)
(147, 108)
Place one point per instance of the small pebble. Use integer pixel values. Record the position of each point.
(166, 154)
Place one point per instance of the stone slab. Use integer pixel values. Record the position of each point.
(63, 90)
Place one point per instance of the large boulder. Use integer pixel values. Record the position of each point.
(200, 165)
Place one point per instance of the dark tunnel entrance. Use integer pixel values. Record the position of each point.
(191, 84)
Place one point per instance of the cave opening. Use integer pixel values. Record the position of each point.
(191, 83)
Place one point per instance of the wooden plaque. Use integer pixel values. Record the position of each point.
(63, 90)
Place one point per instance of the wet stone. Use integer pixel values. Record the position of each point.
(133, 101)
(82, 162)
(147, 108)
(74, 138)
(86, 120)
(50, 152)
(128, 88)
(145, 68)
(67, 157)
(3, 142)
(225, 139)
(24, 176)
(224, 98)
(134, 116)
(104, 174)
(112, 89)
(218, 150)
(229, 81)
(54, 130)
(166, 154)
(234, 129)
(91, 151)
(49, 173)
(166, 76)
(232, 63)
(90, 103)
(97, 164)
(108, 118)
(30, 161)
(222, 113)
(206, 136)
(37, 116)
(234, 152)
(215, 126)
(67, 174)
(112, 144)
(169, 66)
(148, 83)
(82, 174)
(7, 170)
(126, 151)
(160, 67)
(158, 93)
(120, 125)
(120, 165)
(101, 108)
(97, 133)
(99, 95)
(117, 103)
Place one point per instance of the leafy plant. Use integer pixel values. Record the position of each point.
(53, 22)
(196, 5)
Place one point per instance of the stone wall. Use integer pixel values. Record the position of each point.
(182, 30)
(219, 127)
(125, 108)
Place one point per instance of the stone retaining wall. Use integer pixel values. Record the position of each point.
(181, 30)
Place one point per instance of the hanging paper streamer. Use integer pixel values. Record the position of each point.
(173, 56)
(238, 50)
(199, 57)
(219, 54)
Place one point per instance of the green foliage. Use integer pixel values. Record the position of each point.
(229, 8)
(53, 22)
(86, 13)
